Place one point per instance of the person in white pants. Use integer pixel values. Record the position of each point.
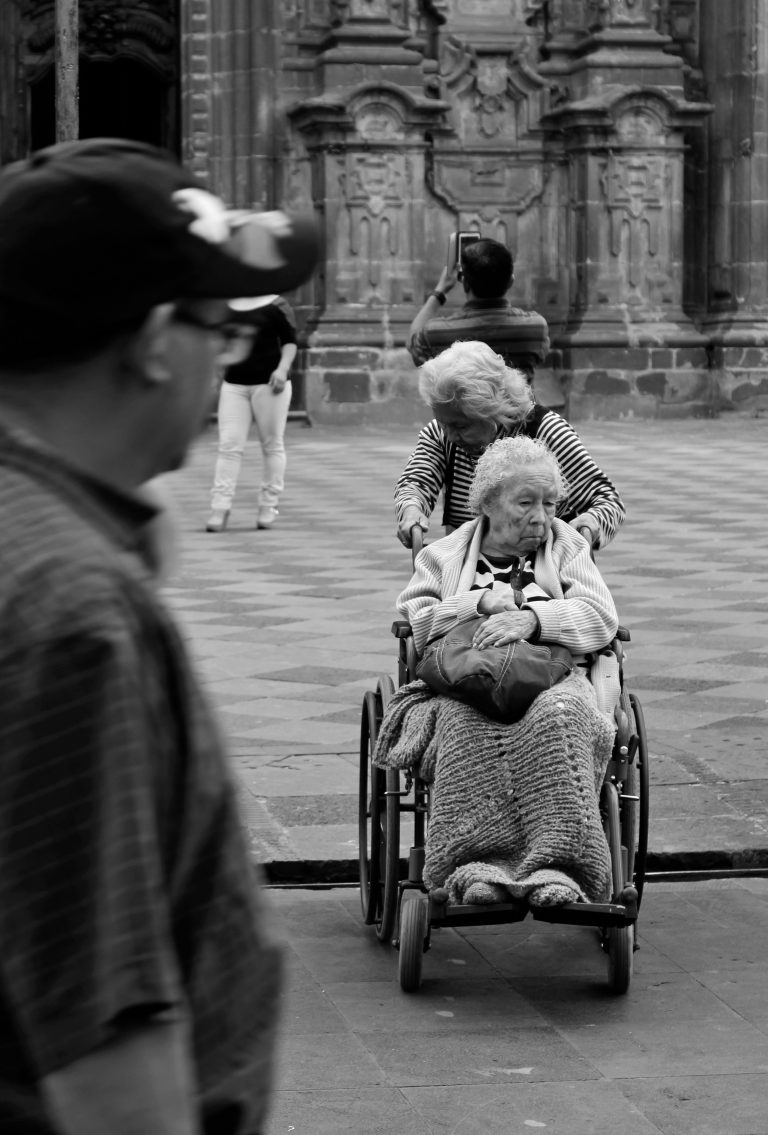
(255, 389)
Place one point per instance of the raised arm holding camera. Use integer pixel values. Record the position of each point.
(485, 270)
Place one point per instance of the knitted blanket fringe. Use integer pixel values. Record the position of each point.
(514, 808)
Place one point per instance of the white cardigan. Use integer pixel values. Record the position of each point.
(581, 614)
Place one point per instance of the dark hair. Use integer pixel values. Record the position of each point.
(487, 267)
(32, 338)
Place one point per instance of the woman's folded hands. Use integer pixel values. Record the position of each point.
(504, 627)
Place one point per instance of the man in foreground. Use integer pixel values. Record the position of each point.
(138, 981)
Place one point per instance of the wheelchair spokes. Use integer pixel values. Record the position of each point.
(378, 821)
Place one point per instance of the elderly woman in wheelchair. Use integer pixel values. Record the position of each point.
(514, 806)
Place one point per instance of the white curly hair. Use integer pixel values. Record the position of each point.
(507, 461)
(472, 377)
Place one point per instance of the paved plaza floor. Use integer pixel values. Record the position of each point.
(513, 1031)
(291, 626)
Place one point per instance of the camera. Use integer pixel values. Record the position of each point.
(456, 245)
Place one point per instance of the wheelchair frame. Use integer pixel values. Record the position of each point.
(396, 902)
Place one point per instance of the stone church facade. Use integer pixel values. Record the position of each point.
(619, 147)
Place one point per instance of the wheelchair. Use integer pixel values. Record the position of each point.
(393, 896)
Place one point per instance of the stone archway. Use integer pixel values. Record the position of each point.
(128, 83)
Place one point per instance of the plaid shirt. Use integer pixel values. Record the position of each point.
(125, 884)
(520, 336)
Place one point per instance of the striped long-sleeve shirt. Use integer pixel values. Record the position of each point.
(438, 464)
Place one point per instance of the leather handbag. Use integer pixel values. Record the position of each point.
(500, 681)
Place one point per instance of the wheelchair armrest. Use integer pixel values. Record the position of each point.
(401, 628)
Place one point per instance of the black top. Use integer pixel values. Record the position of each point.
(274, 325)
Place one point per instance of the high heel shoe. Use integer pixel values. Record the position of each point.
(217, 521)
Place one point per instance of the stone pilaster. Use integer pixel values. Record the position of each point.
(734, 56)
(230, 124)
(628, 347)
(364, 131)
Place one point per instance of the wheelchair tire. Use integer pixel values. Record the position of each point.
(390, 855)
(378, 821)
(370, 803)
(641, 763)
(413, 940)
(620, 946)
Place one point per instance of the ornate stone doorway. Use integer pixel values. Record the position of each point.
(128, 82)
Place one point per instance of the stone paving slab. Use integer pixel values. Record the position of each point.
(289, 627)
(513, 1029)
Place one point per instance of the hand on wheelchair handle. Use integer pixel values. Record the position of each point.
(590, 531)
(412, 518)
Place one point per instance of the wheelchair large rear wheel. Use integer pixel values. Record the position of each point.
(378, 821)
(639, 785)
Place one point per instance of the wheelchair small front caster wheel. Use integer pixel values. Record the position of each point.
(413, 943)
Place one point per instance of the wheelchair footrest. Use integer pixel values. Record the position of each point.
(475, 914)
(586, 914)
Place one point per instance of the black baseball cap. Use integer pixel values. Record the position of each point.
(107, 228)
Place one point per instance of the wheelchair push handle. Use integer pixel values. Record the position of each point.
(417, 541)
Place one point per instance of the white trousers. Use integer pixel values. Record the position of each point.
(238, 407)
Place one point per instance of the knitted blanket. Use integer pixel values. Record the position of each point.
(514, 808)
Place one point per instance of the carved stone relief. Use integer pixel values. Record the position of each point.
(394, 10)
(565, 17)
(487, 184)
(494, 95)
(637, 189)
(142, 29)
(622, 13)
(373, 231)
(641, 125)
(378, 122)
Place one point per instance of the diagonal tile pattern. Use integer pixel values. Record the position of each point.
(290, 627)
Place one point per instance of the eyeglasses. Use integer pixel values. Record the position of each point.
(235, 337)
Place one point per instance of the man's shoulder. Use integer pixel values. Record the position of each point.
(58, 571)
(526, 316)
(505, 328)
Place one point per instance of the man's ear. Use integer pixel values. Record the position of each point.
(146, 351)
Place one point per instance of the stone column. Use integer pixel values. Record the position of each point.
(628, 346)
(734, 57)
(365, 133)
(230, 123)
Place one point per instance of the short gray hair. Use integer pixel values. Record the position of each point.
(472, 377)
(505, 462)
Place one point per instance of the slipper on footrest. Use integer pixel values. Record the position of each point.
(484, 894)
(554, 894)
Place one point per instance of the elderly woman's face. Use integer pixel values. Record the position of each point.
(520, 517)
(472, 434)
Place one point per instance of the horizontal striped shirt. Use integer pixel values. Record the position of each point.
(506, 575)
(437, 464)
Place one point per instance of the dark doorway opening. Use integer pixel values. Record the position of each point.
(120, 98)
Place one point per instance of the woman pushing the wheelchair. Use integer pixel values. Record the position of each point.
(477, 399)
(515, 798)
